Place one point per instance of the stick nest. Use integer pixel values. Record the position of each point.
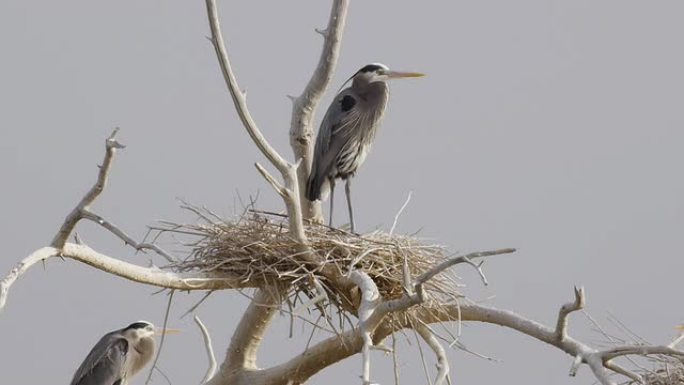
(669, 371)
(257, 249)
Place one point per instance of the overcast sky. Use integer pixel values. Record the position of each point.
(551, 126)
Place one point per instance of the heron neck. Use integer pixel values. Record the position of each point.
(371, 91)
(145, 350)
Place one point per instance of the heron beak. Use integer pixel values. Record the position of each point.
(167, 331)
(399, 75)
(680, 327)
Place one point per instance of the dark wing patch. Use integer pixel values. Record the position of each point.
(347, 102)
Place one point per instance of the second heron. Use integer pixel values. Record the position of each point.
(347, 132)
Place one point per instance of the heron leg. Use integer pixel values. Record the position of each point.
(332, 200)
(347, 190)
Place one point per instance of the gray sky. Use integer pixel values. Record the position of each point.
(551, 126)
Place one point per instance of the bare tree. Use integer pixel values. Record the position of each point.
(387, 283)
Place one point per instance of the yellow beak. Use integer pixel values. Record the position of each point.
(167, 331)
(399, 75)
(680, 327)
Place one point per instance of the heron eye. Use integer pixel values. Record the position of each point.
(347, 103)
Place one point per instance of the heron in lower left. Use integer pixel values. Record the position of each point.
(119, 355)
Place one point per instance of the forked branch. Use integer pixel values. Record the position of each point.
(442, 361)
(76, 214)
(82, 253)
(82, 209)
(351, 342)
(128, 240)
(290, 191)
(240, 366)
(237, 94)
(565, 310)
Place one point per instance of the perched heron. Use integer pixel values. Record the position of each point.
(119, 355)
(347, 132)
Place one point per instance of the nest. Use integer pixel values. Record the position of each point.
(670, 371)
(256, 248)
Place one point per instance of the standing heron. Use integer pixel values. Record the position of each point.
(119, 355)
(347, 132)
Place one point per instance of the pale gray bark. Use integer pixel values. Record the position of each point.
(241, 357)
(211, 369)
(241, 363)
(304, 106)
(290, 191)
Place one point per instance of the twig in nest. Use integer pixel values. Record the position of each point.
(396, 217)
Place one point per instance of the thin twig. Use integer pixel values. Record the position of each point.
(677, 340)
(87, 214)
(163, 337)
(462, 259)
(396, 217)
(442, 361)
(395, 365)
(422, 357)
(282, 191)
(211, 370)
(195, 306)
(168, 380)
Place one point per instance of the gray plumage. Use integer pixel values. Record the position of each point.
(347, 132)
(117, 356)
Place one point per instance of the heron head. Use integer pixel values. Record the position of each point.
(140, 329)
(144, 329)
(378, 72)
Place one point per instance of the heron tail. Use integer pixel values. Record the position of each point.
(313, 187)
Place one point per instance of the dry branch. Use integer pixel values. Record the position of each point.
(163, 338)
(565, 310)
(83, 253)
(147, 275)
(290, 191)
(128, 240)
(238, 96)
(111, 145)
(442, 361)
(370, 297)
(351, 342)
(370, 276)
(304, 107)
(211, 369)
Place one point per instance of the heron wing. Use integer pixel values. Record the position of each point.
(339, 127)
(104, 365)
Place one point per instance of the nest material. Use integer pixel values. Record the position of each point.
(257, 248)
(670, 372)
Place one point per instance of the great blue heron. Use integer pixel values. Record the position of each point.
(347, 132)
(118, 355)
